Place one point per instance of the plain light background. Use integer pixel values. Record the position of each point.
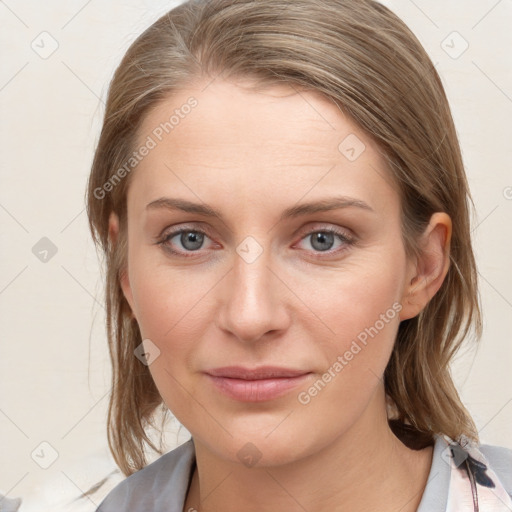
(54, 366)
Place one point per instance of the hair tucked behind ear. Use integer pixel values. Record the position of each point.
(361, 56)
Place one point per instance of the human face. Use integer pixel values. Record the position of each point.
(255, 288)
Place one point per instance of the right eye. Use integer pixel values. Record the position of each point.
(191, 240)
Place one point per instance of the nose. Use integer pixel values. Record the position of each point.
(254, 300)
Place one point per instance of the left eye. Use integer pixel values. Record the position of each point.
(322, 241)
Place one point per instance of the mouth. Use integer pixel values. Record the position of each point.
(256, 385)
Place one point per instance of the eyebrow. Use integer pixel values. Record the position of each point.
(327, 204)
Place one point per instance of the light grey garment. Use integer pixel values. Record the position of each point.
(162, 485)
(9, 504)
(159, 487)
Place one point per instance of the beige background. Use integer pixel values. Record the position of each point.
(54, 368)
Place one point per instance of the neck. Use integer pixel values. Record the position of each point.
(365, 469)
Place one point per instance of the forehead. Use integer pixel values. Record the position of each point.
(274, 114)
(215, 138)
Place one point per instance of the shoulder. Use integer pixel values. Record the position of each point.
(500, 461)
(163, 483)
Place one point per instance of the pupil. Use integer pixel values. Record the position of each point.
(321, 239)
(195, 239)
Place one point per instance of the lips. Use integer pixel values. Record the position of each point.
(264, 372)
(255, 385)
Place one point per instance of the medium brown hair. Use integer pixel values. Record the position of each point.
(361, 56)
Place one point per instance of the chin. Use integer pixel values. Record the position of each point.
(265, 443)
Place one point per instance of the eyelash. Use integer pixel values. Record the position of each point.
(346, 240)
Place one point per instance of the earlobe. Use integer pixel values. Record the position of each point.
(127, 290)
(431, 266)
(124, 281)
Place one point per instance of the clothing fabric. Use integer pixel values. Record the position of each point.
(463, 477)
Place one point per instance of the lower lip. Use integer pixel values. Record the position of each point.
(256, 390)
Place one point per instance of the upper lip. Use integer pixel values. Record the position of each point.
(263, 372)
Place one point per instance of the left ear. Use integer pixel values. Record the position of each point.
(427, 273)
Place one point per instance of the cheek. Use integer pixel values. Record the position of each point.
(165, 295)
(364, 296)
(365, 319)
(171, 313)
(173, 308)
(362, 310)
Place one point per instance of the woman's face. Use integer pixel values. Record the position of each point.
(303, 269)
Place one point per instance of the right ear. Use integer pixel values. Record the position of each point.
(113, 233)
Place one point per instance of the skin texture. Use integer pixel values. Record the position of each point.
(251, 155)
